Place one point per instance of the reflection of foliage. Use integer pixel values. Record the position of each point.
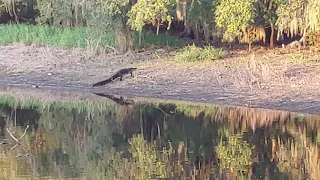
(299, 156)
(195, 110)
(84, 140)
(146, 162)
(44, 105)
(234, 153)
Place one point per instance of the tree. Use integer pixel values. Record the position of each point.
(149, 11)
(9, 6)
(197, 18)
(267, 10)
(297, 17)
(146, 11)
(200, 18)
(233, 16)
(20, 10)
(112, 14)
(61, 12)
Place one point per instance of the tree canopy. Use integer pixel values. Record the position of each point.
(232, 20)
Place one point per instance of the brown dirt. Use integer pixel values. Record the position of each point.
(263, 78)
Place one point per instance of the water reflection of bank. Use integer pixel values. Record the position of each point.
(102, 141)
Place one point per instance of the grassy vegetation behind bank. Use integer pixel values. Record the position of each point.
(89, 38)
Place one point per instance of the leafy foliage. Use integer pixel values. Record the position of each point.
(112, 13)
(202, 18)
(266, 11)
(145, 11)
(291, 17)
(314, 38)
(108, 12)
(193, 53)
(101, 14)
(146, 161)
(201, 10)
(298, 17)
(234, 152)
(58, 12)
(233, 16)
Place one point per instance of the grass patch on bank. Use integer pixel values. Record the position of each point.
(83, 37)
(193, 53)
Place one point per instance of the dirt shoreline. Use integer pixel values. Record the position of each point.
(77, 95)
(267, 79)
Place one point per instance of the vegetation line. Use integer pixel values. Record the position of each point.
(88, 38)
(124, 25)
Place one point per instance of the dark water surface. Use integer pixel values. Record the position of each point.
(156, 141)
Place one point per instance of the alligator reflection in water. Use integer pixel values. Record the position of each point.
(120, 100)
(163, 140)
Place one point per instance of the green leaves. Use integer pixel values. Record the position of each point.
(146, 161)
(193, 53)
(234, 153)
(148, 11)
(233, 15)
(299, 16)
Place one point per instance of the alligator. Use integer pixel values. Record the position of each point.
(118, 74)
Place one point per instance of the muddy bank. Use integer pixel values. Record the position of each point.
(84, 94)
(267, 79)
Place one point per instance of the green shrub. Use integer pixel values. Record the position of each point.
(193, 53)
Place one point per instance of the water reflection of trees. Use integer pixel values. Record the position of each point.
(180, 140)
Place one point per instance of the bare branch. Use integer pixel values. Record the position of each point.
(25, 131)
(12, 136)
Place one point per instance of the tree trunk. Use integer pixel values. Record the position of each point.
(186, 30)
(271, 25)
(206, 32)
(124, 40)
(140, 37)
(196, 32)
(158, 26)
(272, 35)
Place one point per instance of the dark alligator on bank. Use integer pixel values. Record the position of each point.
(118, 74)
